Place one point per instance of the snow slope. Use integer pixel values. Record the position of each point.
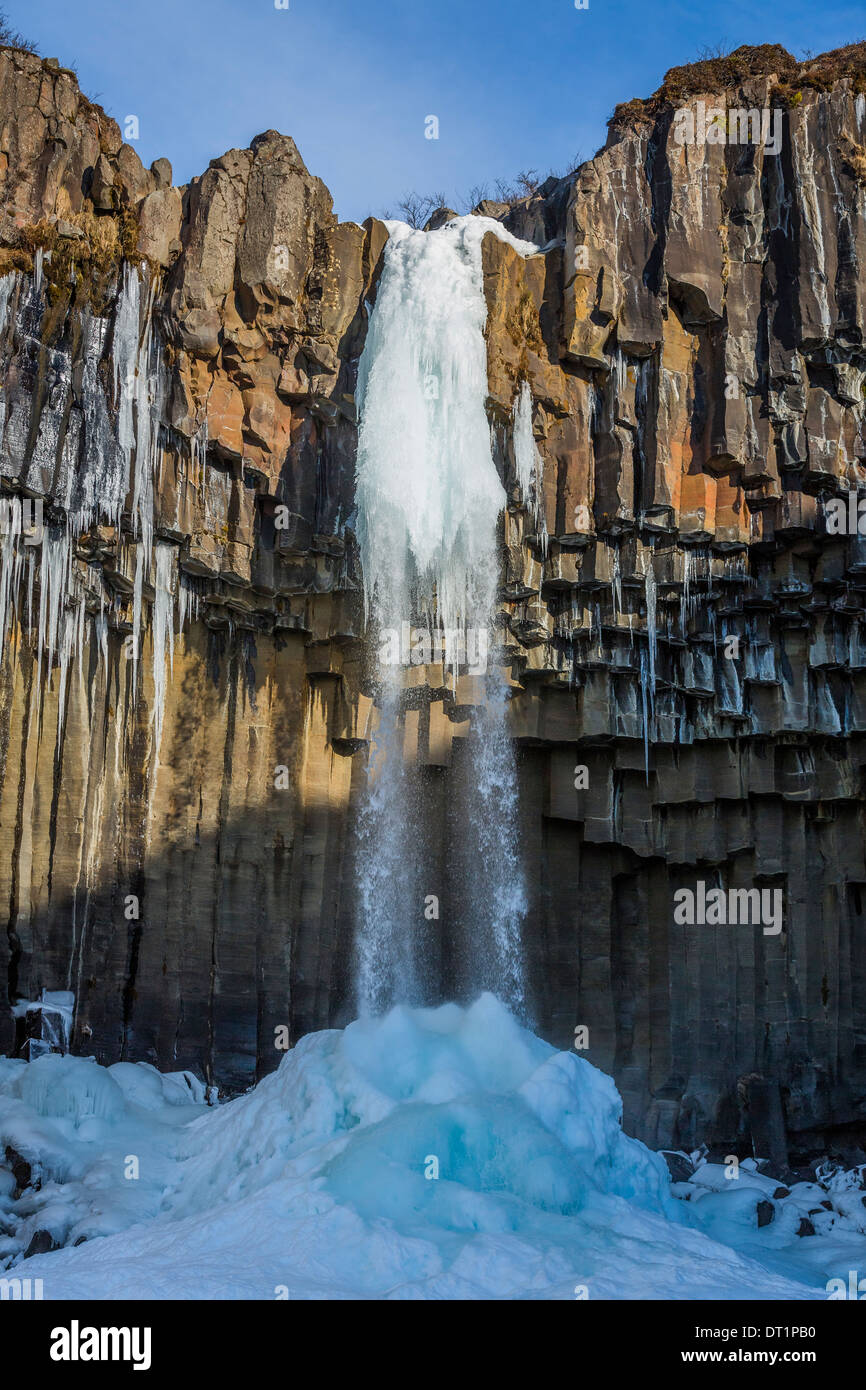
(320, 1182)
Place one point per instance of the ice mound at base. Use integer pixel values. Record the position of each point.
(498, 1109)
(429, 1153)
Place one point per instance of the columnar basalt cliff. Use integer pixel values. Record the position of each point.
(187, 696)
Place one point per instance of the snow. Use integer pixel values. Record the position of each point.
(319, 1182)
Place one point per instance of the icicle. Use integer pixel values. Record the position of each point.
(650, 586)
(125, 349)
(648, 658)
(732, 700)
(684, 602)
(64, 653)
(7, 285)
(31, 573)
(163, 633)
(529, 463)
(79, 639)
(621, 385)
(647, 707)
(182, 604)
(139, 387)
(54, 577)
(100, 630)
(11, 513)
(138, 588)
(100, 488)
(198, 457)
(188, 600)
(116, 463)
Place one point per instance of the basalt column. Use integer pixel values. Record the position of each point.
(190, 682)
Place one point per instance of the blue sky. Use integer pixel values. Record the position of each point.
(514, 84)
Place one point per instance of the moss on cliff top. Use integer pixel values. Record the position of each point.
(725, 71)
(80, 270)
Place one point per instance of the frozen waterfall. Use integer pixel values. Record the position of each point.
(429, 500)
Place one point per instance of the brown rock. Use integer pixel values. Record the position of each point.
(159, 225)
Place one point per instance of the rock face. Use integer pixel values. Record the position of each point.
(185, 693)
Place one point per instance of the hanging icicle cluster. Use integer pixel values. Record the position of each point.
(51, 590)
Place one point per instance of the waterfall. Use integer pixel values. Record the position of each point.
(429, 499)
(498, 890)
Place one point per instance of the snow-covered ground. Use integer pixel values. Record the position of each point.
(443, 1153)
